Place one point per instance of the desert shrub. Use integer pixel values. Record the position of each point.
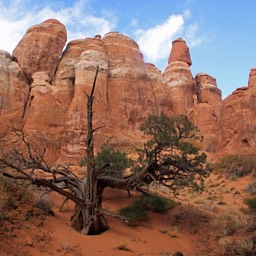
(251, 202)
(235, 166)
(45, 204)
(118, 161)
(13, 194)
(140, 207)
(239, 248)
(251, 188)
(228, 223)
(156, 203)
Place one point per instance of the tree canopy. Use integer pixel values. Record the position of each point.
(174, 159)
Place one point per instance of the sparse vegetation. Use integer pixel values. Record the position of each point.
(239, 247)
(251, 203)
(13, 196)
(173, 232)
(17, 212)
(45, 203)
(228, 222)
(235, 166)
(138, 210)
(251, 188)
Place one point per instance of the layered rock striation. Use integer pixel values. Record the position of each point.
(43, 88)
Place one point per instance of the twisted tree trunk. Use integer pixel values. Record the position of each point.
(88, 219)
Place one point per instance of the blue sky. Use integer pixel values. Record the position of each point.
(220, 33)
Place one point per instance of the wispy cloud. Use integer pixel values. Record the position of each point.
(134, 22)
(81, 21)
(155, 42)
(191, 35)
(16, 18)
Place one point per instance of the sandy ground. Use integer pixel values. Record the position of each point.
(187, 228)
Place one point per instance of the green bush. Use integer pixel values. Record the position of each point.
(235, 166)
(146, 203)
(118, 160)
(251, 202)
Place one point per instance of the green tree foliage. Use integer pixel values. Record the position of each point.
(117, 161)
(251, 202)
(175, 161)
(146, 203)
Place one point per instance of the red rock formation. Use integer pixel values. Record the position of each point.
(252, 78)
(130, 95)
(207, 90)
(236, 134)
(206, 114)
(64, 79)
(40, 48)
(39, 91)
(180, 52)
(181, 86)
(36, 59)
(178, 77)
(73, 144)
(159, 89)
(5, 60)
(45, 113)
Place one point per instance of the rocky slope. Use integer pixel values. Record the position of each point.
(43, 88)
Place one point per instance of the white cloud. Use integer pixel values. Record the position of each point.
(191, 35)
(17, 17)
(155, 42)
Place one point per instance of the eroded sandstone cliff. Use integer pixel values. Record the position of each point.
(43, 88)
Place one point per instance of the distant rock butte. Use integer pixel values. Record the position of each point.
(43, 86)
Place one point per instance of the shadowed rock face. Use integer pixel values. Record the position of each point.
(5, 60)
(39, 90)
(207, 90)
(236, 131)
(206, 114)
